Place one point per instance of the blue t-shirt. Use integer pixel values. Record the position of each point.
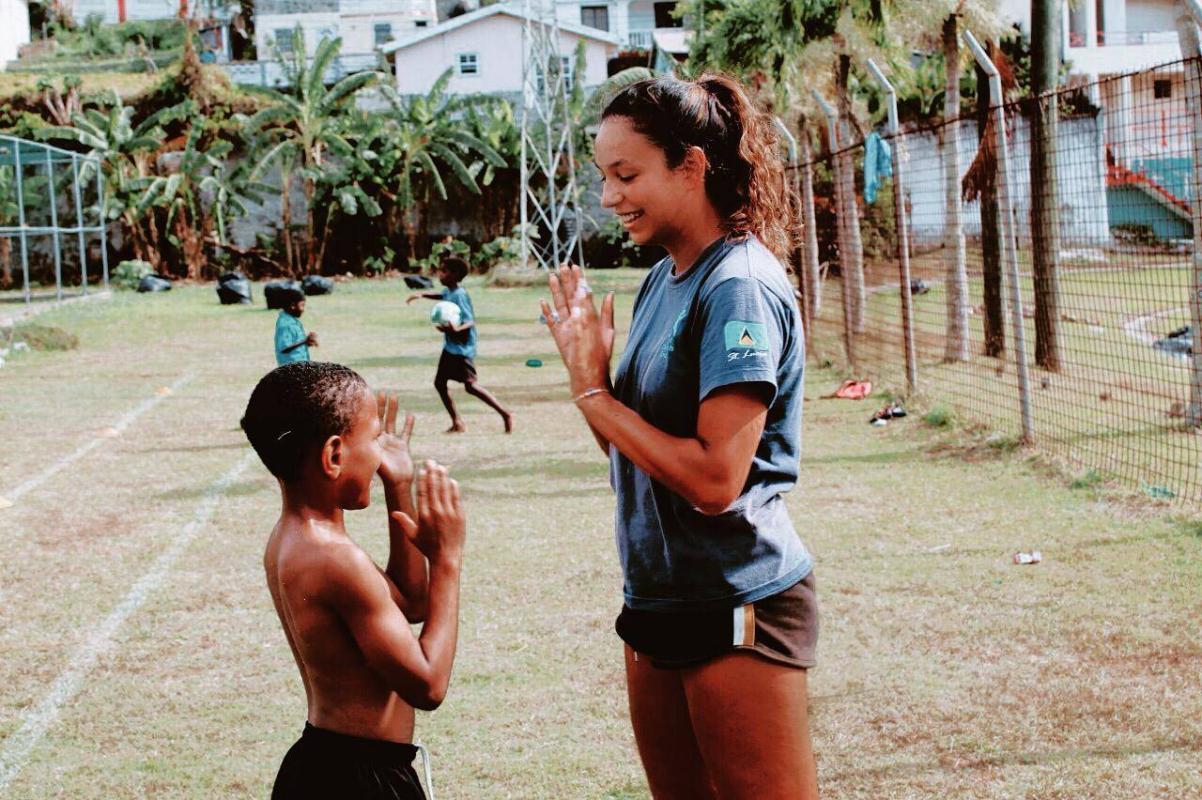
(289, 331)
(731, 319)
(464, 342)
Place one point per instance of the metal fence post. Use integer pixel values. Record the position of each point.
(795, 195)
(832, 133)
(1009, 240)
(52, 191)
(83, 247)
(903, 233)
(1187, 34)
(811, 265)
(104, 226)
(18, 170)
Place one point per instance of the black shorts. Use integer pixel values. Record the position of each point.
(453, 367)
(781, 628)
(324, 765)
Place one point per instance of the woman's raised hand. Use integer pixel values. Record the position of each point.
(584, 338)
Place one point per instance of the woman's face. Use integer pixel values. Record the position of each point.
(653, 201)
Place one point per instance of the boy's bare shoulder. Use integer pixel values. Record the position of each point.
(326, 567)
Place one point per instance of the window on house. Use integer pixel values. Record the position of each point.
(383, 32)
(469, 64)
(421, 23)
(664, 17)
(283, 40)
(595, 17)
(1162, 90)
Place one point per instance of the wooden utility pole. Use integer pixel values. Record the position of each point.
(1045, 213)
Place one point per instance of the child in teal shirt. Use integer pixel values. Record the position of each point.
(291, 341)
(459, 346)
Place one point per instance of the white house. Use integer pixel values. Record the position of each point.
(15, 30)
(484, 48)
(114, 11)
(1147, 135)
(633, 21)
(364, 25)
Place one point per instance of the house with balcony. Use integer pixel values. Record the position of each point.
(1113, 46)
(633, 22)
(483, 49)
(363, 25)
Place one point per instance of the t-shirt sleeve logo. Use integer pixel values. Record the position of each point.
(741, 335)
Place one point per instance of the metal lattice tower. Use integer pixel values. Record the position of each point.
(550, 210)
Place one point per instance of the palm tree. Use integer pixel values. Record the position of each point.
(301, 131)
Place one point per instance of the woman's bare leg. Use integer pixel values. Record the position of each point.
(751, 723)
(664, 732)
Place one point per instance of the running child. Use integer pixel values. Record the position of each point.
(291, 341)
(325, 435)
(459, 345)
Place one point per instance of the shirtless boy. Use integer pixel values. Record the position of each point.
(325, 435)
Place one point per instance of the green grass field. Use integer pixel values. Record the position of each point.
(140, 657)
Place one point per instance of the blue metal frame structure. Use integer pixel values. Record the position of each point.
(23, 156)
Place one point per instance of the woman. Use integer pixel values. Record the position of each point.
(702, 426)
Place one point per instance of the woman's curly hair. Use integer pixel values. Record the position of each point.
(745, 179)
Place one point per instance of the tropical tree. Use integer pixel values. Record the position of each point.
(427, 139)
(300, 132)
(125, 152)
(199, 193)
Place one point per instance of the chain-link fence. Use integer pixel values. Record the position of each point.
(1104, 255)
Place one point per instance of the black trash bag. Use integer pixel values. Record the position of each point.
(282, 293)
(418, 282)
(316, 284)
(233, 289)
(154, 283)
(1179, 342)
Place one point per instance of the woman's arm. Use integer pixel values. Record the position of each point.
(708, 470)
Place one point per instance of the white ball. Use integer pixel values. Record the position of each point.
(445, 313)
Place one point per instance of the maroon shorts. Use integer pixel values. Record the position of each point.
(781, 628)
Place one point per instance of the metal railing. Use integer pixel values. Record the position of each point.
(272, 74)
(1071, 320)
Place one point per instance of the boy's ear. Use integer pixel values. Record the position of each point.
(331, 457)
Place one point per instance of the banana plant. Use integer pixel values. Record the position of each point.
(301, 130)
(429, 138)
(124, 153)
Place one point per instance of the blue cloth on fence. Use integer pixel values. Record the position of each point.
(878, 163)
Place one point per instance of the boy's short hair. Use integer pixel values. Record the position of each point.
(296, 407)
(456, 266)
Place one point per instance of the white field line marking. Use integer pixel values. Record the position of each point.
(17, 748)
(1137, 327)
(84, 449)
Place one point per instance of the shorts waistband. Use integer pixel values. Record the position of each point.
(376, 750)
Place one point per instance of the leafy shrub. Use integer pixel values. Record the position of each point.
(128, 273)
(938, 417)
(440, 250)
(501, 250)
